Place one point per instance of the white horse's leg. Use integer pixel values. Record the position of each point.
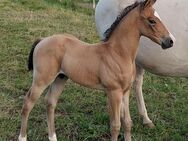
(125, 116)
(51, 100)
(114, 103)
(140, 99)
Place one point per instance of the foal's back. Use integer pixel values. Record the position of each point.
(78, 60)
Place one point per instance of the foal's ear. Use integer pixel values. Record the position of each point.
(148, 3)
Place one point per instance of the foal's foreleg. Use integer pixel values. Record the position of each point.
(139, 96)
(114, 103)
(51, 100)
(125, 116)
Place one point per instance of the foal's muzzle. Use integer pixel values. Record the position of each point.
(167, 42)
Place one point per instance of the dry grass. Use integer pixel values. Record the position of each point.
(81, 114)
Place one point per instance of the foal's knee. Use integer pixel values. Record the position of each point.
(115, 127)
(50, 102)
(128, 126)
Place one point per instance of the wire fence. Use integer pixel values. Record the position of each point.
(91, 1)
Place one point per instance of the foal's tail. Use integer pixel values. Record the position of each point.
(30, 59)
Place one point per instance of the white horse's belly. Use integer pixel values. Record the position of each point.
(170, 62)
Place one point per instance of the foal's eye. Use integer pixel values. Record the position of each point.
(152, 22)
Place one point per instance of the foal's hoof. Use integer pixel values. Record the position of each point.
(149, 125)
(53, 138)
(20, 138)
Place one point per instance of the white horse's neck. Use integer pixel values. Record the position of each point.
(124, 3)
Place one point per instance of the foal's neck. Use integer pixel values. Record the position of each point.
(126, 36)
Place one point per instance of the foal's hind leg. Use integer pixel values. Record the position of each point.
(125, 116)
(140, 99)
(40, 83)
(51, 100)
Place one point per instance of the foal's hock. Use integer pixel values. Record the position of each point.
(109, 66)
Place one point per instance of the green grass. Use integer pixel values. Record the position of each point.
(81, 114)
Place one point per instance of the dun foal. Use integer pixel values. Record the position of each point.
(109, 66)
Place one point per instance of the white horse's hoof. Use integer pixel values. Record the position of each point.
(20, 138)
(53, 138)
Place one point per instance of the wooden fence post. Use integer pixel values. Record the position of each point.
(94, 4)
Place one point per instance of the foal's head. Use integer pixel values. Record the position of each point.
(151, 26)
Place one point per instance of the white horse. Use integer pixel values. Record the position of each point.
(172, 62)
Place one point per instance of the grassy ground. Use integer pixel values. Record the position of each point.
(81, 114)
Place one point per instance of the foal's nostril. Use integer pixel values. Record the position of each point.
(167, 43)
(171, 42)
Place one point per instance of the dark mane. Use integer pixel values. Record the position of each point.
(110, 30)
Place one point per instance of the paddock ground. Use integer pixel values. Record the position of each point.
(81, 114)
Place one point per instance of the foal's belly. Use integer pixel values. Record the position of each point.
(82, 68)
